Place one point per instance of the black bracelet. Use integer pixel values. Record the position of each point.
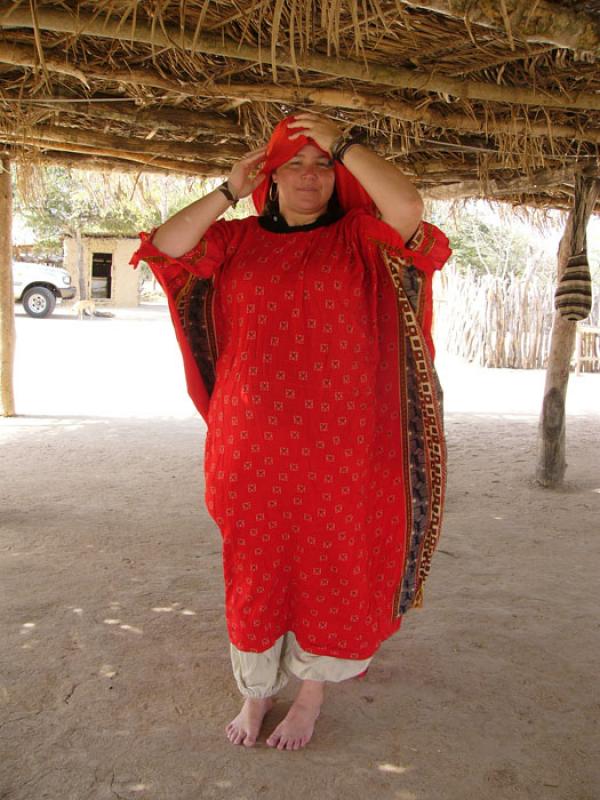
(224, 187)
(342, 144)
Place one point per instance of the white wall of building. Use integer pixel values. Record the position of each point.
(125, 280)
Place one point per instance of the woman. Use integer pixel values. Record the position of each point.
(306, 336)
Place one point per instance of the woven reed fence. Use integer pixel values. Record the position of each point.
(497, 321)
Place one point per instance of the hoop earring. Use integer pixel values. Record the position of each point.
(273, 195)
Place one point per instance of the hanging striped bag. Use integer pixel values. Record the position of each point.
(573, 296)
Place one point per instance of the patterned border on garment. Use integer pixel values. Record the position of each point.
(417, 240)
(194, 303)
(422, 435)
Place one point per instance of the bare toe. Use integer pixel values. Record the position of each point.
(244, 729)
(296, 730)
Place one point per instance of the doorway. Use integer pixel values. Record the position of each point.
(101, 276)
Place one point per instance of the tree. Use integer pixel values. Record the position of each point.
(497, 244)
(56, 202)
(59, 202)
(7, 319)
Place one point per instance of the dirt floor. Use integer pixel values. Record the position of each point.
(115, 679)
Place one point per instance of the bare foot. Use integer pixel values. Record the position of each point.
(296, 729)
(245, 728)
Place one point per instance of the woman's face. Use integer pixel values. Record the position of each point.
(305, 182)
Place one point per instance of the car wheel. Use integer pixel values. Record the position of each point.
(39, 301)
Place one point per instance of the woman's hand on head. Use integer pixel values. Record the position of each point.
(321, 129)
(242, 180)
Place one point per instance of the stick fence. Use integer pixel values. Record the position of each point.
(501, 321)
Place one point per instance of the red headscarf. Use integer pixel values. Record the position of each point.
(281, 149)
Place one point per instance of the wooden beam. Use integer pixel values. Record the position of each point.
(172, 37)
(540, 21)
(7, 302)
(182, 167)
(20, 55)
(401, 110)
(99, 163)
(334, 98)
(127, 147)
(190, 123)
(497, 188)
(552, 465)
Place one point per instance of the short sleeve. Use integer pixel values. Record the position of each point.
(427, 249)
(202, 260)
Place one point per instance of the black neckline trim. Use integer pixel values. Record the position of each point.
(277, 224)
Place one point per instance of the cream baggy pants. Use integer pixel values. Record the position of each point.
(264, 674)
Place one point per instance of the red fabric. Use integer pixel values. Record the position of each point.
(281, 149)
(303, 460)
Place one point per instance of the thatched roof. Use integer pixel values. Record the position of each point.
(468, 96)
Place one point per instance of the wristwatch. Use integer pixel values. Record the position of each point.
(224, 187)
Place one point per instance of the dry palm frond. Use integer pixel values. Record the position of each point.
(183, 89)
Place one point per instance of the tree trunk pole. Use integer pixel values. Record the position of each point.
(552, 464)
(82, 270)
(7, 302)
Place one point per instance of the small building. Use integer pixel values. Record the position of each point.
(111, 279)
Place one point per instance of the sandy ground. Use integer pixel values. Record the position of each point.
(115, 680)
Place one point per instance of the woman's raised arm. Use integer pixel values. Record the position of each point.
(396, 197)
(182, 232)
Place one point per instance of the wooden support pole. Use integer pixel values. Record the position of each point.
(7, 302)
(552, 464)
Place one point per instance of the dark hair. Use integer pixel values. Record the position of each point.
(271, 208)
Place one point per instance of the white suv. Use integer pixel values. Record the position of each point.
(37, 286)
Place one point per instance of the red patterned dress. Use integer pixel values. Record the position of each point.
(309, 355)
